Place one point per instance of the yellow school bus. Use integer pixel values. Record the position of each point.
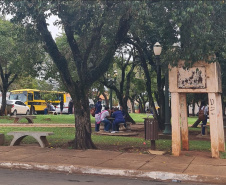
(37, 99)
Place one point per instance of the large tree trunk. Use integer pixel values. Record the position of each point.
(3, 107)
(133, 107)
(78, 88)
(123, 103)
(82, 125)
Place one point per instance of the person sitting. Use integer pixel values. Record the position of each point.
(117, 114)
(46, 110)
(52, 108)
(102, 117)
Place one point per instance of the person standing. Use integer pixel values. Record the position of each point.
(98, 108)
(61, 106)
(70, 107)
(205, 110)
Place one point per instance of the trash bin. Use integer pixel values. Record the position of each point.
(151, 128)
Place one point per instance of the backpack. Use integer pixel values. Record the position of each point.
(98, 117)
(202, 116)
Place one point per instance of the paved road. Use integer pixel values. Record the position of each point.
(24, 177)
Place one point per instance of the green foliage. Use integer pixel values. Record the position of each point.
(19, 51)
(200, 25)
(25, 82)
(48, 96)
(199, 145)
(223, 155)
(44, 119)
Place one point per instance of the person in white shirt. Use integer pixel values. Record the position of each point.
(102, 117)
(206, 109)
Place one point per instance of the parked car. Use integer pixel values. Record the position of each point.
(65, 109)
(18, 107)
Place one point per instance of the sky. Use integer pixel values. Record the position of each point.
(55, 30)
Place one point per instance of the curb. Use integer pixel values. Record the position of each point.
(154, 175)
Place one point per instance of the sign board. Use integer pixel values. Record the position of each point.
(192, 78)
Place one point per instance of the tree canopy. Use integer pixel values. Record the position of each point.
(18, 55)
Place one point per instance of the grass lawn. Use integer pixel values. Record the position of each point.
(63, 119)
(132, 144)
(69, 119)
(44, 119)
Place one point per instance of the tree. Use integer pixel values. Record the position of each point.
(138, 89)
(92, 29)
(96, 89)
(201, 26)
(26, 81)
(197, 26)
(121, 82)
(151, 26)
(18, 54)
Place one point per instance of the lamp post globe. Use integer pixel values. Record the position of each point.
(157, 49)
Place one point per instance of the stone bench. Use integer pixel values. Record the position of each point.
(19, 117)
(39, 136)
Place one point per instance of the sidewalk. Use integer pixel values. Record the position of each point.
(187, 167)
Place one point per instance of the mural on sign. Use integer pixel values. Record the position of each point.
(192, 78)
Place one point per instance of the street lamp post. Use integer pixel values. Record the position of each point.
(167, 110)
(157, 51)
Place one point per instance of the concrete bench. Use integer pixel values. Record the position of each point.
(19, 117)
(39, 136)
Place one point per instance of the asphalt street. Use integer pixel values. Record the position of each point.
(29, 177)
